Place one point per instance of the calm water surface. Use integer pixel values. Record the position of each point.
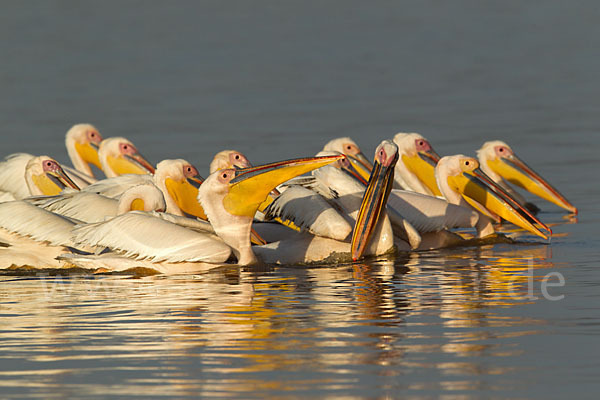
(276, 80)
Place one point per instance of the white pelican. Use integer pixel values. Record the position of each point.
(415, 169)
(23, 175)
(462, 182)
(82, 142)
(36, 237)
(500, 162)
(233, 227)
(177, 179)
(230, 198)
(347, 146)
(119, 156)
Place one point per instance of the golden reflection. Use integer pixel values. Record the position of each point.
(387, 312)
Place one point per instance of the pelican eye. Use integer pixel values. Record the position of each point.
(237, 156)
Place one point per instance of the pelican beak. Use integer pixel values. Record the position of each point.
(140, 162)
(130, 164)
(89, 153)
(138, 205)
(255, 238)
(185, 195)
(251, 186)
(354, 172)
(373, 204)
(423, 166)
(53, 182)
(482, 192)
(361, 164)
(517, 172)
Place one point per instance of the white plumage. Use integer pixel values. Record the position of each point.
(141, 235)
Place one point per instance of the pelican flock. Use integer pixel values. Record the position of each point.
(336, 206)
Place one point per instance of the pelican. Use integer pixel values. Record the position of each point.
(347, 146)
(462, 183)
(233, 226)
(329, 204)
(415, 169)
(119, 156)
(230, 198)
(82, 142)
(500, 162)
(23, 175)
(35, 236)
(178, 180)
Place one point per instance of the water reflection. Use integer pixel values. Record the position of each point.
(276, 329)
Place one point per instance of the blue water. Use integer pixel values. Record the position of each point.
(276, 80)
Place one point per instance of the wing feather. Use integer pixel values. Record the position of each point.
(81, 179)
(430, 214)
(28, 220)
(114, 187)
(83, 206)
(310, 211)
(141, 235)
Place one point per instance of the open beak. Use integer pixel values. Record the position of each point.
(89, 153)
(251, 186)
(185, 195)
(423, 166)
(373, 203)
(481, 191)
(517, 172)
(53, 182)
(361, 165)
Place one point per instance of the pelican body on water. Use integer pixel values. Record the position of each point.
(172, 220)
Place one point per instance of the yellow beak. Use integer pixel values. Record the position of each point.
(130, 164)
(423, 166)
(251, 186)
(373, 203)
(185, 195)
(361, 164)
(357, 173)
(517, 172)
(480, 190)
(88, 153)
(52, 183)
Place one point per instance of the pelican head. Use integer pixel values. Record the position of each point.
(347, 146)
(231, 197)
(462, 182)
(180, 181)
(499, 161)
(375, 196)
(44, 176)
(229, 159)
(119, 156)
(145, 197)
(82, 142)
(416, 167)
